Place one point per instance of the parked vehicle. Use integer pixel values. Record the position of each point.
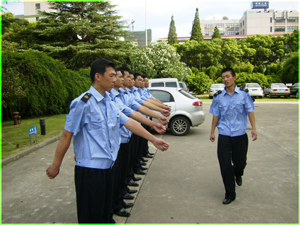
(254, 89)
(277, 89)
(183, 86)
(186, 110)
(295, 90)
(164, 82)
(214, 88)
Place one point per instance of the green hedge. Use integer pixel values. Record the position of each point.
(34, 84)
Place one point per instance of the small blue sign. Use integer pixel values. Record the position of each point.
(32, 130)
(260, 5)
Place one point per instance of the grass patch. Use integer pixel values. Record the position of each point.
(19, 133)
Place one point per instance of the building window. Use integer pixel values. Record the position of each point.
(37, 6)
(292, 28)
(279, 28)
(293, 19)
(208, 26)
(220, 25)
(270, 19)
(37, 18)
(271, 29)
(279, 20)
(229, 32)
(243, 22)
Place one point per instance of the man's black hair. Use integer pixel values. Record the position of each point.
(123, 69)
(99, 66)
(136, 74)
(228, 69)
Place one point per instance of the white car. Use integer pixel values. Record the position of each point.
(254, 89)
(277, 89)
(186, 110)
(164, 82)
(214, 88)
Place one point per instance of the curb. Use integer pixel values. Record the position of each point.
(27, 151)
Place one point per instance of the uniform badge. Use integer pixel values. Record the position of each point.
(86, 97)
(217, 93)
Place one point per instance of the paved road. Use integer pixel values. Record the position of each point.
(183, 184)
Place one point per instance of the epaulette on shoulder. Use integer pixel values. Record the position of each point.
(86, 97)
(217, 93)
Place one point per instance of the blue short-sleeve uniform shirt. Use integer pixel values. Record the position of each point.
(95, 122)
(232, 111)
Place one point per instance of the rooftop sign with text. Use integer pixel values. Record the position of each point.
(260, 5)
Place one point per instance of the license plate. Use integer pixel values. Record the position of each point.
(280, 89)
(254, 89)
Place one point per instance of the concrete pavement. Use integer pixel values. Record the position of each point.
(183, 184)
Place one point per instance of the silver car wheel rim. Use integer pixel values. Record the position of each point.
(180, 126)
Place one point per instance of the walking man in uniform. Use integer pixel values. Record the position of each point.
(230, 109)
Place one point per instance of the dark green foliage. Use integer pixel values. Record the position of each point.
(44, 85)
(216, 33)
(196, 30)
(198, 82)
(172, 36)
(290, 70)
(81, 32)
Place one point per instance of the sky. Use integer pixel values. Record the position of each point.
(156, 14)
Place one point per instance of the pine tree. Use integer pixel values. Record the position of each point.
(172, 36)
(196, 30)
(77, 33)
(216, 33)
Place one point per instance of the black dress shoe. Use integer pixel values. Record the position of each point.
(131, 191)
(150, 153)
(122, 212)
(128, 196)
(227, 201)
(143, 164)
(132, 183)
(144, 168)
(148, 156)
(127, 205)
(140, 172)
(239, 180)
(136, 178)
(144, 160)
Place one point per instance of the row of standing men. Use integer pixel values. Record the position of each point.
(109, 147)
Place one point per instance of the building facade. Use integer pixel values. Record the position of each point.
(226, 27)
(269, 22)
(31, 10)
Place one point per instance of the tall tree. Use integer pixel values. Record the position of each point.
(79, 32)
(216, 33)
(172, 36)
(196, 30)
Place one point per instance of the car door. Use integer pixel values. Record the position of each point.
(166, 98)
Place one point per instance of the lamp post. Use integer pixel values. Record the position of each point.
(132, 27)
(146, 22)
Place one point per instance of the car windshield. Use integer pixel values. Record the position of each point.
(253, 85)
(186, 94)
(217, 85)
(296, 84)
(278, 85)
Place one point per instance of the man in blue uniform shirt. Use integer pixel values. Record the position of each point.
(94, 122)
(230, 108)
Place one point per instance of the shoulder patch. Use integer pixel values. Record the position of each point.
(86, 97)
(217, 93)
(246, 90)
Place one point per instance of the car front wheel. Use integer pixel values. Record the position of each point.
(180, 126)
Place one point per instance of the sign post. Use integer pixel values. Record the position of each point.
(32, 131)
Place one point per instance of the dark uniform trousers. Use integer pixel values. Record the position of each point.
(94, 194)
(232, 156)
(120, 174)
